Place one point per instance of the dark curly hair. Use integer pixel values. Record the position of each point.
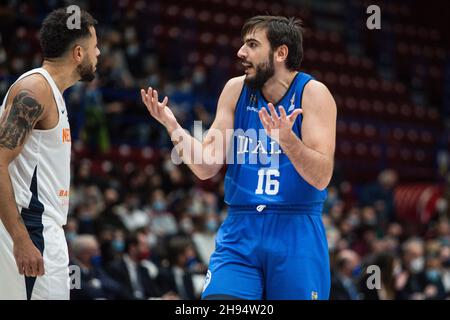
(56, 37)
(280, 30)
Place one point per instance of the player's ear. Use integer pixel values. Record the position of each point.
(281, 53)
(77, 53)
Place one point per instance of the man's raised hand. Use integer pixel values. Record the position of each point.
(158, 110)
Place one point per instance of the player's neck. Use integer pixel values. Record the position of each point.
(61, 74)
(276, 87)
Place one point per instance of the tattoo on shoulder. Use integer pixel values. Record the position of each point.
(21, 118)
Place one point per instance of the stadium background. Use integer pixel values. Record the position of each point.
(388, 201)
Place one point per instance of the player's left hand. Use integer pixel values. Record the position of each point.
(278, 127)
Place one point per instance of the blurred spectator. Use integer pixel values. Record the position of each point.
(205, 235)
(71, 229)
(132, 216)
(409, 282)
(426, 284)
(389, 267)
(444, 255)
(132, 270)
(91, 116)
(177, 277)
(380, 195)
(161, 200)
(333, 234)
(366, 236)
(343, 286)
(432, 284)
(112, 243)
(109, 216)
(95, 282)
(162, 223)
(443, 231)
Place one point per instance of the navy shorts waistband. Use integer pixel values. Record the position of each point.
(308, 209)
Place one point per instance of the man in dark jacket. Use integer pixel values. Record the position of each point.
(135, 272)
(95, 283)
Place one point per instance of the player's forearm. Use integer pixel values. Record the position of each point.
(315, 167)
(9, 213)
(195, 154)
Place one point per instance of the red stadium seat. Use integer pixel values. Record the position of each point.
(416, 202)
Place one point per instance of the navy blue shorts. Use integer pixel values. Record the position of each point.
(272, 254)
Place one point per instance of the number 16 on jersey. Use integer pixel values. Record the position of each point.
(267, 182)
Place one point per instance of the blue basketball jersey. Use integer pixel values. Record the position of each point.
(260, 173)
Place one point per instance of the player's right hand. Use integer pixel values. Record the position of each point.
(28, 258)
(158, 110)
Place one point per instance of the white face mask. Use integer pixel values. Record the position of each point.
(397, 270)
(417, 265)
(198, 77)
(187, 225)
(354, 220)
(152, 240)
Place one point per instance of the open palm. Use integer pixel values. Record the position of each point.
(278, 127)
(158, 110)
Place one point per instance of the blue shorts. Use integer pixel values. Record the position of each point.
(272, 254)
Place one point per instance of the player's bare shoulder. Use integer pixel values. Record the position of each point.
(316, 95)
(33, 89)
(236, 82)
(27, 104)
(235, 85)
(232, 90)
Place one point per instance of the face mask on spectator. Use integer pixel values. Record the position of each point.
(70, 236)
(433, 275)
(187, 226)
(332, 237)
(118, 245)
(354, 221)
(211, 225)
(397, 270)
(198, 77)
(371, 221)
(159, 205)
(85, 217)
(191, 261)
(356, 271)
(96, 261)
(132, 50)
(196, 209)
(152, 240)
(332, 197)
(417, 265)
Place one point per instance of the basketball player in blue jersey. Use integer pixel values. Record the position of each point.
(35, 153)
(272, 245)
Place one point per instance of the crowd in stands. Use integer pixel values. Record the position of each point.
(141, 227)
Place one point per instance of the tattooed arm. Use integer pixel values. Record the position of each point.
(22, 112)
